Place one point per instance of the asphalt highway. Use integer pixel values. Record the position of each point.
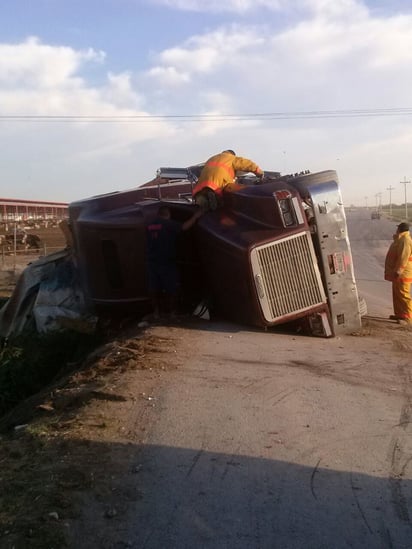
(370, 240)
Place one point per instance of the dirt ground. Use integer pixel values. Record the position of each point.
(48, 457)
(56, 446)
(80, 466)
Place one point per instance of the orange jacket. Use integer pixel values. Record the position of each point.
(220, 171)
(398, 261)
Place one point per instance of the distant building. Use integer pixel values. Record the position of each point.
(12, 209)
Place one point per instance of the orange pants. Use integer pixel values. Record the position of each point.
(402, 302)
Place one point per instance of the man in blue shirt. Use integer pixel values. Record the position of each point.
(162, 236)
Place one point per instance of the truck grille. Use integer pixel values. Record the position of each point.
(287, 276)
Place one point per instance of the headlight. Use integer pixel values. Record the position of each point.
(284, 206)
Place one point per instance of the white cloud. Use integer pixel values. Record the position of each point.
(337, 56)
(168, 75)
(207, 53)
(44, 80)
(336, 9)
(327, 8)
(34, 64)
(318, 63)
(239, 6)
(119, 91)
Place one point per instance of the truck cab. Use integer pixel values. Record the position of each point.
(276, 252)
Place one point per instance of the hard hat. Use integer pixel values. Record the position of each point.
(402, 227)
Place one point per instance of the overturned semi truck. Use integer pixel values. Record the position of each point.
(276, 252)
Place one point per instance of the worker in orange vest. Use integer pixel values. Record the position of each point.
(218, 173)
(398, 270)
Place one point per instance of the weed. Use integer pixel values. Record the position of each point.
(30, 361)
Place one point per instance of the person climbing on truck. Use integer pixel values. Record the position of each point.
(218, 173)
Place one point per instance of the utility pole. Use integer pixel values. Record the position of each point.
(404, 183)
(366, 202)
(378, 204)
(390, 189)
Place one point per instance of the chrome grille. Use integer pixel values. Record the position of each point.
(287, 276)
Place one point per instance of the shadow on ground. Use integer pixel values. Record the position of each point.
(87, 494)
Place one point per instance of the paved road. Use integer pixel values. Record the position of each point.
(370, 239)
(269, 440)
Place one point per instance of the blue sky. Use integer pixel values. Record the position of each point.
(128, 58)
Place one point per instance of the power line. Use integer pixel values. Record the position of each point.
(282, 115)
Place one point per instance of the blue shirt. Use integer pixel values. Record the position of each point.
(161, 240)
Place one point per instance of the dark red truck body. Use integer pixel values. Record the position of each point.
(256, 260)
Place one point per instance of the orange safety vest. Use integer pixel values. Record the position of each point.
(220, 171)
(399, 259)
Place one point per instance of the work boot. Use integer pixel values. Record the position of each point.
(404, 322)
(393, 317)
